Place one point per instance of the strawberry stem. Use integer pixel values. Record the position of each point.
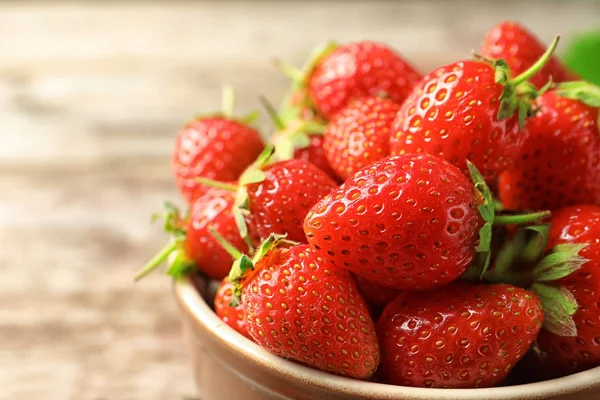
(227, 100)
(520, 219)
(526, 75)
(271, 112)
(291, 72)
(158, 259)
(233, 252)
(217, 184)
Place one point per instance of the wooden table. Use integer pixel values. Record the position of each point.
(91, 96)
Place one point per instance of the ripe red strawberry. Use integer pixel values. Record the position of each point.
(464, 336)
(468, 110)
(359, 134)
(578, 226)
(315, 154)
(300, 309)
(375, 295)
(275, 198)
(513, 43)
(406, 222)
(217, 147)
(559, 163)
(338, 74)
(233, 316)
(193, 247)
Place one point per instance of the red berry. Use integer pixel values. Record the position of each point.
(359, 134)
(520, 49)
(212, 210)
(281, 201)
(453, 114)
(561, 355)
(300, 309)
(315, 154)
(559, 164)
(406, 222)
(463, 336)
(217, 148)
(359, 69)
(232, 315)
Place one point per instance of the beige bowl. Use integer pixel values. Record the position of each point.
(227, 366)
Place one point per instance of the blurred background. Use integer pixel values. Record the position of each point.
(92, 95)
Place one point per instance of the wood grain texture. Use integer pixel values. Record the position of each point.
(91, 96)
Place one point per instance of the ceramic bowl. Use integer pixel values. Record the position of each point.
(227, 366)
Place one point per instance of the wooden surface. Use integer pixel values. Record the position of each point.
(91, 96)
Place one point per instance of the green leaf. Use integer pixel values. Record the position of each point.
(559, 306)
(485, 238)
(157, 260)
(284, 150)
(230, 248)
(521, 219)
(582, 55)
(180, 266)
(240, 221)
(300, 140)
(486, 209)
(502, 72)
(251, 176)
(273, 241)
(585, 92)
(536, 245)
(236, 275)
(562, 261)
(251, 117)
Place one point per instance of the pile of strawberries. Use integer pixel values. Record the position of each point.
(429, 231)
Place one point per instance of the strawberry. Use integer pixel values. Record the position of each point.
(192, 246)
(464, 336)
(512, 42)
(299, 136)
(275, 197)
(315, 154)
(300, 309)
(468, 110)
(375, 295)
(232, 315)
(559, 163)
(358, 135)
(406, 222)
(215, 146)
(576, 228)
(338, 74)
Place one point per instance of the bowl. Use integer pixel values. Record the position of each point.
(228, 366)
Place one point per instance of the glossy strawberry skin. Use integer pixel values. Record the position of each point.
(566, 355)
(406, 222)
(520, 49)
(359, 134)
(212, 210)
(559, 163)
(280, 203)
(299, 308)
(463, 336)
(212, 147)
(233, 316)
(356, 70)
(315, 154)
(452, 114)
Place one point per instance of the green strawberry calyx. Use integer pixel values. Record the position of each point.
(241, 204)
(243, 263)
(227, 105)
(527, 245)
(179, 264)
(518, 94)
(491, 217)
(586, 92)
(298, 96)
(292, 134)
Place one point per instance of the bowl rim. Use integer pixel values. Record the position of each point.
(191, 302)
